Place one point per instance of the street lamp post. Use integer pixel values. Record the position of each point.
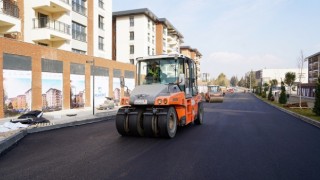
(93, 79)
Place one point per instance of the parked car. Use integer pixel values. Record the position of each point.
(214, 94)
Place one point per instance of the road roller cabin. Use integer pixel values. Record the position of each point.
(165, 97)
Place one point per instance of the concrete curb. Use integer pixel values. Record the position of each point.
(303, 118)
(12, 140)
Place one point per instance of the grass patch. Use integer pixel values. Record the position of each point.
(304, 112)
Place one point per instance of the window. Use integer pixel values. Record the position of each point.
(152, 51)
(79, 7)
(131, 61)
(79, 32)
(148, 50)
(78, 51)
(131, 49)
(100, 21)
(101, 4)
(131, 21)
(164, 31)
(131, 35)
(101, 43)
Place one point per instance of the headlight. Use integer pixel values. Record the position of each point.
(165, 101)
(159, 101)
(127, 101)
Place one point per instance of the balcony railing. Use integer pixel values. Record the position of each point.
(9, 8)
(51, 24)
(79, 8)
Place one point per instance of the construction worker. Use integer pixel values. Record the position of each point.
(153, 71)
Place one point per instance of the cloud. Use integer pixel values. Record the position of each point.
(231, 63)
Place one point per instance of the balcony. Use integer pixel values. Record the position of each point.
(9, 18)
(52, 6)
(46, 29)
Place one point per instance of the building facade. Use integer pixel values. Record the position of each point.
(34, 77)
(139, 33)
(313, 67)
(81, 26)
(195, 55)
(266, 75)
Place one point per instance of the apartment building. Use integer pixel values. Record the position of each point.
(81, 26)
(194, 54)
(266, 75)
(313, 67)
(10, 22)
(140, 32)
(168, 37)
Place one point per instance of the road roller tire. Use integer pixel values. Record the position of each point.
(150, 126)
(136, 122)
(200, 114)
(168, 123)
(122, 122)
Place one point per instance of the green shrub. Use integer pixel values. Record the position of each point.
(270, 93)
(316, 108)
(283, 95)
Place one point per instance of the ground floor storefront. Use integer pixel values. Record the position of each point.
(34, 77)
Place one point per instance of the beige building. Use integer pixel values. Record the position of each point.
(139, 33)
(195, 55)
(313, 67)
(81, 26)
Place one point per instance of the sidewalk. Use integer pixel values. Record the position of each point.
(295, 99)
(58, 119)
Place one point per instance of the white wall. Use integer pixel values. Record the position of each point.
(30, 34)
(106, 33)
(140, 41)
(279, 74)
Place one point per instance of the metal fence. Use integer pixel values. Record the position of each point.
(51, 24)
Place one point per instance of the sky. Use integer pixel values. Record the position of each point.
(237, 36)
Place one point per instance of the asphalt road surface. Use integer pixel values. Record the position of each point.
(242, 138)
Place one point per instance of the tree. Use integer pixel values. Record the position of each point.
(251, 80)
(283, 94)
(222, 80)
(301, 60)
(234, 81)
(242, 82)
(265, 89)
(273, 83)
(270, 93)
(289, 79)
(316, 108)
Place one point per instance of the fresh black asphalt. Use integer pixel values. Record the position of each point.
(242, 138)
